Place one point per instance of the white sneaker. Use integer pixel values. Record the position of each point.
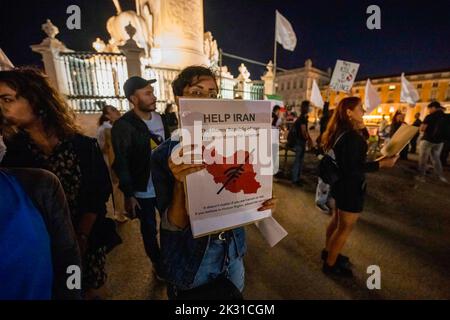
(322, 207)
(443, 179)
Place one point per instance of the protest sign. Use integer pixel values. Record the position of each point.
(344, 75)
(235, 139)
(399, 140)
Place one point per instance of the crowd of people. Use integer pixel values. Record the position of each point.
(56, 184)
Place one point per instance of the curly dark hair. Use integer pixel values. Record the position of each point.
(46, 102)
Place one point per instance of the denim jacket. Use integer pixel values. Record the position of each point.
(181, 254)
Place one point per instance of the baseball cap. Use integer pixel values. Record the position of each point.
(135, 83)
(435, 104)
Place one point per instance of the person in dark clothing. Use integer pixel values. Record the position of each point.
(417, 123)
(276, 117)
(397, 122)
(432, 142)
(344, 137)
(171, 118)
(23, 192)
(326, 116)
(133, 137)
(47, 137)
(300, 128)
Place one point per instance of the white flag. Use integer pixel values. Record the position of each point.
(371, 98)
(285, 35)
(5, 63)
(316, 97)
(408, 94)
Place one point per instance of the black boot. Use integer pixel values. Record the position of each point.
(337, 270)
(341, 259)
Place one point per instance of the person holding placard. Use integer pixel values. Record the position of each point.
(205, 267)
(345, 137)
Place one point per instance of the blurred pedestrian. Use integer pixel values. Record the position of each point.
(276, 118)
(301, 140)
(397, 121)
(109, 115)
(434, 129)
(417, 123)
(171, 117)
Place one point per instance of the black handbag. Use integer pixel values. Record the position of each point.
(220, 288)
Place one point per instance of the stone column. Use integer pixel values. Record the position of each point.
(50, 48)
(243, 80)
(269, 80)
(133, 53)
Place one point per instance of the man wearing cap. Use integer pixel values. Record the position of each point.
(133, 136)
(434, 129)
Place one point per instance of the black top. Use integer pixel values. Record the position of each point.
(79, 165)
(302, 120)
(274, 119)
(351, 154)
(417, 123)
(432, 121)
(172, 120)
(325, 117)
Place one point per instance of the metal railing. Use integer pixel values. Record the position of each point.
(251, 91)
(93, 79)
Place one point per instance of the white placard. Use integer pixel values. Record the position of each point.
(399, 140)
(344, 75)
(271, 230)
(227, 195)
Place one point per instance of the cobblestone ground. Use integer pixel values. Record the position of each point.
(405, 230)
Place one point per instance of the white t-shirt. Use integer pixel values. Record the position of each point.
(155, 125)
(101, 133)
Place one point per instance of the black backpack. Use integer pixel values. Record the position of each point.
(328, 168)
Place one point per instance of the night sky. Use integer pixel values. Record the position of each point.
(415, 35)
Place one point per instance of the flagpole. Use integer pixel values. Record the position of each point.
(275, 55)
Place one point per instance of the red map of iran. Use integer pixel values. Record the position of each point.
(234, 177)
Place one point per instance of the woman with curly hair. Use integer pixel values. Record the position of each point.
(46, 136)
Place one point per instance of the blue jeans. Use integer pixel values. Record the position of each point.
(213, 265)
(300, 149)
(147, 217)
